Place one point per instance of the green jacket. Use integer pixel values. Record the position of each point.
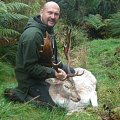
(31, 68)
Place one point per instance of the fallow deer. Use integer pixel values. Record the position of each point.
(77, 90)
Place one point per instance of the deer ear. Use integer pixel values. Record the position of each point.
(53, 81)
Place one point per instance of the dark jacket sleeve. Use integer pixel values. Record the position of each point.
(30, 47)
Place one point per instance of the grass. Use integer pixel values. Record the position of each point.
(101, 61)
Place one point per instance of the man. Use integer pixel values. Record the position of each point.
(32, 67)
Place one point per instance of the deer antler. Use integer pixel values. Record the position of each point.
(55, 66)
(76, 74)
(47, 50)
(47, 47)
(67, 46)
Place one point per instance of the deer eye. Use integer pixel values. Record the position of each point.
(66, 86)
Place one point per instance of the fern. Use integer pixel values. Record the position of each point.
(3, 7)
(8, 32)
(94, 21)
(8, 17)
(8, 53)
(16, 6)
(114, 25)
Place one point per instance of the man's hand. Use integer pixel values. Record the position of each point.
(60, 74)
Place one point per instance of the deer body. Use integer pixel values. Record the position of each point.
(86, 88)
(83, 94)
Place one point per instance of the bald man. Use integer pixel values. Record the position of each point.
(50, 13)
(32, 66)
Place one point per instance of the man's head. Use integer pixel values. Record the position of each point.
(50, 13)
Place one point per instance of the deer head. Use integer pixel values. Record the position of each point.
(66, 89)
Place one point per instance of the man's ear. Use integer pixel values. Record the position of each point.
(41, 11)
(53, 81)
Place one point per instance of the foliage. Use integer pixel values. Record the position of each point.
(73, 11)
(78, 36)
(114, 25)
(11, 21)
(94, 21)
(9, 14)
(35, 8)
(96, 26)
(8, 54)
(107, 7)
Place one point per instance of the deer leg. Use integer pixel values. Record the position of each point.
(93, 99)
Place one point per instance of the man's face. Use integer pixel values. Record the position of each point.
(50, 15)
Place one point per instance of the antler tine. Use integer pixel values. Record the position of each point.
(47, 35)
(76, 74)
(55, 66)
(67, 44)
(73, 75)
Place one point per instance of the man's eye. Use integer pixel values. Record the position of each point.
(56, 14)
(49, 13)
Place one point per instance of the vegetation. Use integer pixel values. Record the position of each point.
(103, 61)
(9, 16)
(75, 12)
(113, 25)
(95, 46)
(11, 23)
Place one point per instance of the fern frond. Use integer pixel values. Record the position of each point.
(94, 21)
(114, 24)
(16, 6)
(3, 7)
(8, 32)
(9, 17)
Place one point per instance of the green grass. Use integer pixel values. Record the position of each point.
(101, 61)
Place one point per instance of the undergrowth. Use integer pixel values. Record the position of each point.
(103, 60)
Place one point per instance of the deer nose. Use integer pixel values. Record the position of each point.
(78, 98)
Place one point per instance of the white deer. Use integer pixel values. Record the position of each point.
(77, 91)
(74, 97)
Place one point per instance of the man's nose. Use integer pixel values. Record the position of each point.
(53, 16)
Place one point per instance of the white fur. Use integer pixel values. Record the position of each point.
(86, 88)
